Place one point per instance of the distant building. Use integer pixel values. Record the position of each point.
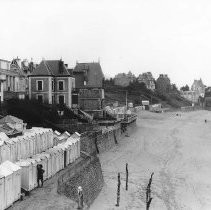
(123, 79)
(15, 78)
(190, 96)
(197, 91)
(51, 83)
(147, 79)
(163, 83)
(198, 87)
(89, 86)
(23, 68)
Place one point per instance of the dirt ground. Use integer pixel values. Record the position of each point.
(176, 148)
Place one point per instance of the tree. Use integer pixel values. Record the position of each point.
(185, 88)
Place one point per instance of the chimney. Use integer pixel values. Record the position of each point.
(61, 66)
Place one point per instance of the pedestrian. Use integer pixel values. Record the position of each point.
(40, 173)
(80, 198)
(205, 121)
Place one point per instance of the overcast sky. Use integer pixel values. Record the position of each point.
(161, 36)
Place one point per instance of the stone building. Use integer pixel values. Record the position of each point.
(163, 84)
(123, 79)
(51, 83)
(89, 88)
(147, 79)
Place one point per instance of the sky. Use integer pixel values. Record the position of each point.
(162, 36)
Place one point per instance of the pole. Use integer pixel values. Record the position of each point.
(118, 190)
(126, 99)
(126, 176)
(148, 193)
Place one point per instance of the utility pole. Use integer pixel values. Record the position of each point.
(148, 193)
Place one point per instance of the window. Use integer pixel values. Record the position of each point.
(39, 85)
(52, 99)
(61, 99)
(52, 85)
(61, 85)
(40, 98)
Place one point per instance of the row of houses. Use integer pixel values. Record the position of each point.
(162, 83)
(52, 82)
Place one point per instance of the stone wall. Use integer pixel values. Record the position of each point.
(88, 175)
(108, 139)
(98, 141)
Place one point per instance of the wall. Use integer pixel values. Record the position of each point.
(87, 174)
(108, 140)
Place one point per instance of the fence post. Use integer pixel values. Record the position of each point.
(118, 190)
(126, 176)
(148, 193)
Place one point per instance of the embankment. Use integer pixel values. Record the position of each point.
(87, 174)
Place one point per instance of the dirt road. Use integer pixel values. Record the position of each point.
(176, 148)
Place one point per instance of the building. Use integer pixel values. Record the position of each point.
(14, 78)
(163, 84)
(198, 87)
(89, 86)
(123, 79)
(197, 91)
(147, 79)
(88, 75)
(8, 78)
(51, 83)
(190, 96)
(24, 68)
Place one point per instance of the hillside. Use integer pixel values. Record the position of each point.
(138, 92)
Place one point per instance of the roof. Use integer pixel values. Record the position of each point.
(4, 171)
(51, 68)
(198, 83)
(5, 128)
(93, 68)
(10, 119)
(11, 166)
(3, 137)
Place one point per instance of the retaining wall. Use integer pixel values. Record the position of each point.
(88, 175)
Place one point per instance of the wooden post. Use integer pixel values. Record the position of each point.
(118, 190)
(148, 193)
(126, 176)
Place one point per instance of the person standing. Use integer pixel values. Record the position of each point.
(40, 173)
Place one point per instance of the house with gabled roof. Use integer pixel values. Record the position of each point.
(89, 85)
(51, 82)
(88, 75)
